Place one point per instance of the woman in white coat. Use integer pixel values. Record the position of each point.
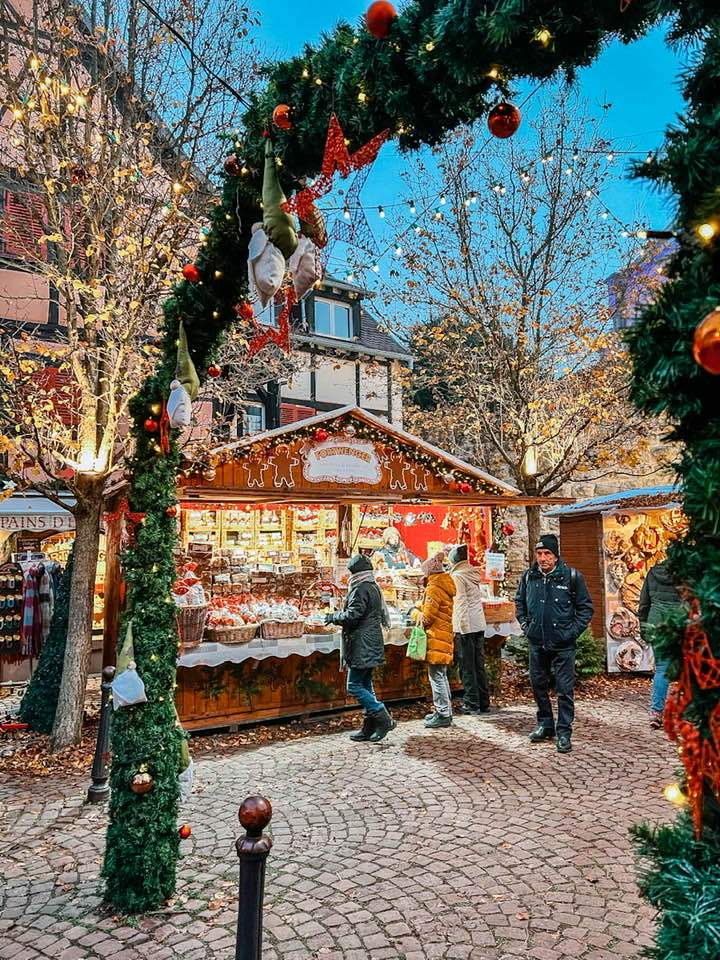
(469, 628)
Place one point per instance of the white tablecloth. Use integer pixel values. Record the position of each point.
(213, 654)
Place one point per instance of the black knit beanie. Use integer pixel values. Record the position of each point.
(548, 541)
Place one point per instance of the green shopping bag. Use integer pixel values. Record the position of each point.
(417, 644)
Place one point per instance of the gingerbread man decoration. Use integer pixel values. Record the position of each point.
(284, 461)
(396, 466)
(422, 476)
(256, 471)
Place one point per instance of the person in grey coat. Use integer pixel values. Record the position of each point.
(362, 620)
(658, 597)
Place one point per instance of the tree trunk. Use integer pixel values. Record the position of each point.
(533, 529)
(71, 701)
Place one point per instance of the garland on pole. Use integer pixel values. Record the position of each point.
(420, 75)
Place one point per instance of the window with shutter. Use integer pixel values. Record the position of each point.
(291, 413)
(21, 226)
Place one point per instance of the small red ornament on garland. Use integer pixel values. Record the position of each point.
(465, 487)
(281, 117)
(504, 120)
(184, 831)
(172, 510)
(706, 342)
(379, 18)
(151, 425)
(233, 167)
(214, 371)
(191, 273)
(321, 435)
(507, 529)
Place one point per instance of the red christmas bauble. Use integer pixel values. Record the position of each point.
(233, 167)
(504, 120)
(465, 487)
(281, 116)
(379, 18)
(184, 831)
(706, 342)
(321, 435)
(245, 310)
(151, 425)
(191, 273)
(191, 566)
(507, 529)
(172, 510)
(214, 371)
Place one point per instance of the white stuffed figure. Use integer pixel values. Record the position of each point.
(266, 265)
(179, 405)
(305, 266)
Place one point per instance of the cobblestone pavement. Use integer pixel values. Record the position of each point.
(467, 842)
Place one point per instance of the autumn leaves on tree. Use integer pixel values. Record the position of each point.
(518, 366)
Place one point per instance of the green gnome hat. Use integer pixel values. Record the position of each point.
(278, 224)
(185, 369)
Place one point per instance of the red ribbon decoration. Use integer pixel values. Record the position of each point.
(164, 429)
(280, 334)
(701, 758)
(336, 157)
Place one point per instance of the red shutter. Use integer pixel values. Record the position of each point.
(63, 393)
(23, 223)
(291, 413)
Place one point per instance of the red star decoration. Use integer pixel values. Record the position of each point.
(336, 158)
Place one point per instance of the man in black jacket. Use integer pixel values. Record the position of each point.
(553, 607)
(362, 620)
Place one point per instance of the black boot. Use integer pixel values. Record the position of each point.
(366, 730)
(541, 733)
(384, 723)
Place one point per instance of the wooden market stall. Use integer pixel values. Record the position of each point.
(266, 524)
(614, 540)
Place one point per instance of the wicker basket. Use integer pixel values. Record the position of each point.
(191, 623)
(282, 629)
(325, 628)
(241, 633)
(499, 612)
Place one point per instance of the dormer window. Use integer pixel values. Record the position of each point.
(333, 319)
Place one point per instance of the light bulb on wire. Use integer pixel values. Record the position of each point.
(381, 213)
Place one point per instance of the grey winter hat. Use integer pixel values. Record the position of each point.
(548, 541)
(358, 563)
(458, 553)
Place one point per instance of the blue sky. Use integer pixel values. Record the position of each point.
(641, 81)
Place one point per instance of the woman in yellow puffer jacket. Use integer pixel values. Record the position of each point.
(436, 611)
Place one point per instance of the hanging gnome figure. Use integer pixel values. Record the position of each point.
(184, 388)
(275, 246)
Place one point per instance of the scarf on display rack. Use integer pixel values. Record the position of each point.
(32, 618)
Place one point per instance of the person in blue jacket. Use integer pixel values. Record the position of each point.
(553, 607)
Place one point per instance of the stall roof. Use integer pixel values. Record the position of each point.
(503, 492)
(32, 504)
(663, 497)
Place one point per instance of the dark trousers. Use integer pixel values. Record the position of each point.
(471, 647)
(542, 663)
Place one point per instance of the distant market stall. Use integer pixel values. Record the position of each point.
(35, 532)
(614, 540)
(265, 527)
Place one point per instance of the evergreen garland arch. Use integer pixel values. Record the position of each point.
(431, 73)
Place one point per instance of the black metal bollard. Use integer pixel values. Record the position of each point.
(99, 789)
(252, 849)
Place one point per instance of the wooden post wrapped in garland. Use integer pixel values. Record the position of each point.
(438, 65)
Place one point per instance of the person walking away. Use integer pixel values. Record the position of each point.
(658, 597)
(553, 607)
(362, 620)
(469, 629)
(436, 612)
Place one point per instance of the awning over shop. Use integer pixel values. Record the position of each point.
(345, 456)
(30, 513)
